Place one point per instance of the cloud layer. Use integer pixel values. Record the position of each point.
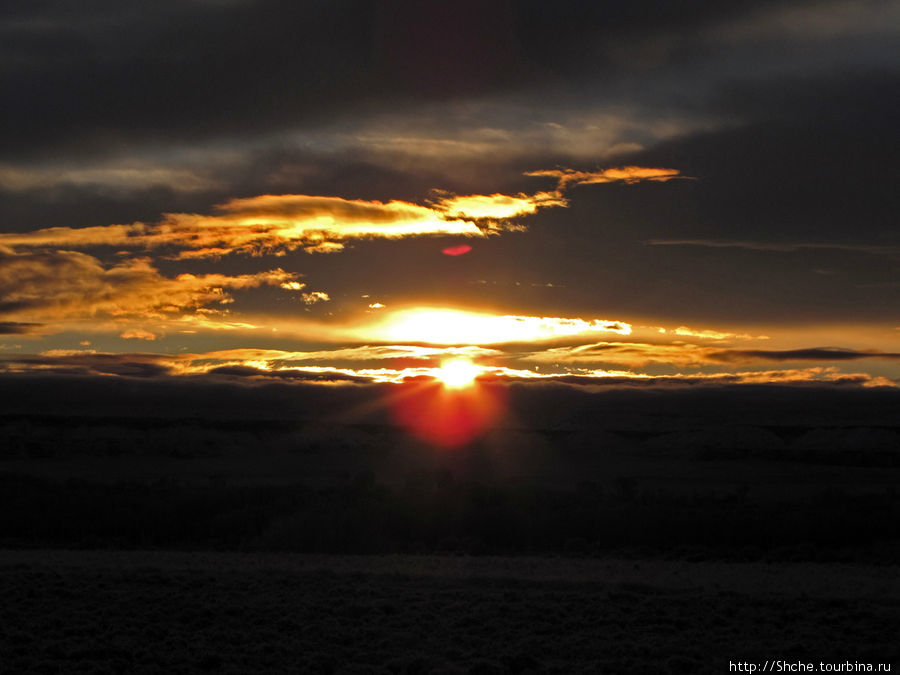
(717, 177)
(261, 225)
(271, 224)
(418, 365)
(61, 285)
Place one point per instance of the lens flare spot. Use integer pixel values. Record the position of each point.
(462, 249)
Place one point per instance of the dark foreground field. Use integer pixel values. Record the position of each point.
(158, 612)
(614, 532)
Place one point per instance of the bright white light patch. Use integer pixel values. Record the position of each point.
(451, 326)
(458, 373)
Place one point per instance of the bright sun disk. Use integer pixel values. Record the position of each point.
(457, 373)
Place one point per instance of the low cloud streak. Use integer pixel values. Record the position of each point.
(781, 247)
(680, 354)
(272, 365)
(567, 178)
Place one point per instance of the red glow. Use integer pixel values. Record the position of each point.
(462, 249)
(445, 416)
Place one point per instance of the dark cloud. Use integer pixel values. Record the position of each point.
(63, 202)
(16, 328)
(87, 205)
(778, 247)
(114, 72)
(146, 71)
(816, 354)
(86, 363)
(288, 375)
(681, 355)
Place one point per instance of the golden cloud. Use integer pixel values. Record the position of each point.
(626, 174)
(630, 354)
(496, 206)
(715, 334)
(66, 284)
(138, 334)
(278, 223)
(263, 224)
(314, 297)
(309, 298)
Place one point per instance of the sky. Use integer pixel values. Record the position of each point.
(355, 192)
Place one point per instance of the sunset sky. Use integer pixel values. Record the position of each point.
(358, 191)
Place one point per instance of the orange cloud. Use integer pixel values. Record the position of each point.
(314, 297)
(273, 224)
(68, 284)
(264, 224)
(308, 298)
(627, 174)
(138, 334)
(716, 335)
(496, 206)
(630, 354)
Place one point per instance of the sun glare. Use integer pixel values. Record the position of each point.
(458, 373)
(451, 410)
(454, 326)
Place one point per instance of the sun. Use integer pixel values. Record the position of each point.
(457, 373)
(454, 408)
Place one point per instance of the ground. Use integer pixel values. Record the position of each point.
(148, 612)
